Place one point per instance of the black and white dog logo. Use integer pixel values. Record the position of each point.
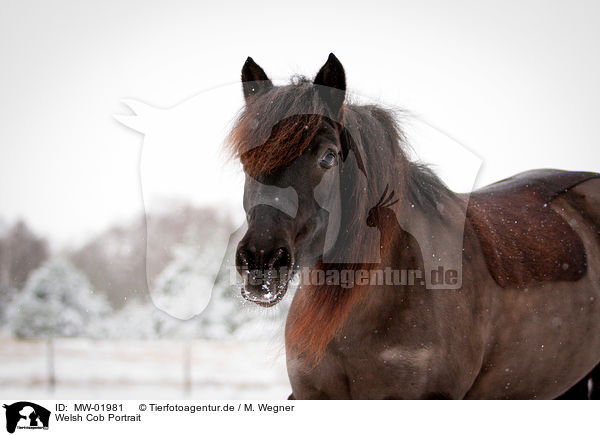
(26, 415)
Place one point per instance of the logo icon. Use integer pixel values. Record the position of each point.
(26, 415)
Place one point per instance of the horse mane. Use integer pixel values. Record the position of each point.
(278, 126)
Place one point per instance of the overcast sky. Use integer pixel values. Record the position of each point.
(515, 81)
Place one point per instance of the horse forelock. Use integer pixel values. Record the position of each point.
(276, 127)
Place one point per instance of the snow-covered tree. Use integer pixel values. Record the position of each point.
(184, 286)
(21, 252)
(56, 301)
(142, 320)
(189, 286)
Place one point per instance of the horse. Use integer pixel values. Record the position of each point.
(517, 315)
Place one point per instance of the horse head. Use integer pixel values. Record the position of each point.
(296, 153)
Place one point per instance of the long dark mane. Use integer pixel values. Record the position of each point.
(278, 126)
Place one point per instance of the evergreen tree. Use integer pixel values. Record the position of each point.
(57, 301)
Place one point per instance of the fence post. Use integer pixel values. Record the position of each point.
(187, 367)
(50, 364)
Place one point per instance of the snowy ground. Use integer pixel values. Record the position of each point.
(98, 369)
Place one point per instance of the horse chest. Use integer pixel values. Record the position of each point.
(373, 370)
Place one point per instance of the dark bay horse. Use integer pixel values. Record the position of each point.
(330, 193)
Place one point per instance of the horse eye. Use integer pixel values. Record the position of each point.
(329, 159)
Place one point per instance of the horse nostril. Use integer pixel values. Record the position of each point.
(281, 258)
(243, 258)
(250, 258)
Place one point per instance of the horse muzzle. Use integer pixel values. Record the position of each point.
(265, 273)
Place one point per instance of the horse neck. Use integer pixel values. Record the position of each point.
(411, 232)
(419, 241)
(436, 232)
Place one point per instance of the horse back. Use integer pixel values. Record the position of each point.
(525, 241)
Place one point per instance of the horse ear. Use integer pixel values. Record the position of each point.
(254, 79)
(331, 79)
